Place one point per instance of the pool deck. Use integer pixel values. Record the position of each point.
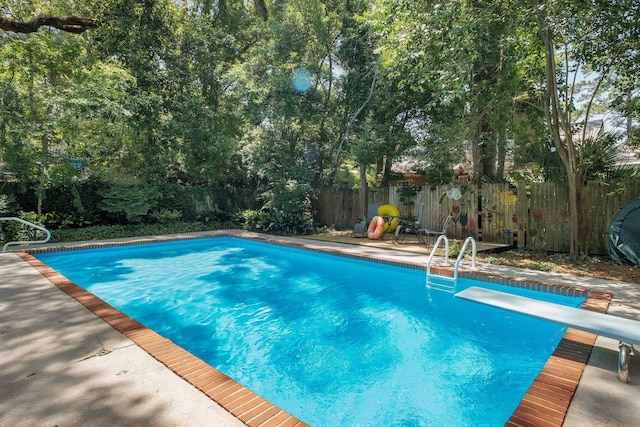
(61, 364)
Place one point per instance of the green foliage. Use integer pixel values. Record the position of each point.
(165, 216)
(407, 194)
(346, 178)
(16, 231)
(73, 219)
(197, 99)
(287, 208)
(286, 223)
(454, 250)
(130, 198)
(460, 59)
(251, 218)
(7, 204)
(132, 230)
(598, 155)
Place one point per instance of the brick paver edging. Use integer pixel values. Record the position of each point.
(545, 404)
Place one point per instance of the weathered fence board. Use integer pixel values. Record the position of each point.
(548, 220)
(535, 216)
(497, 211)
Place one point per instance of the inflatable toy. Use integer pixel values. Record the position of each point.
(393, 215)
(376, 228)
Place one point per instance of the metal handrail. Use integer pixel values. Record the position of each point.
(453, 279)
(13, 218)
(441, 238)
(461, 254)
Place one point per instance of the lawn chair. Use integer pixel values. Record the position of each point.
(409, 227)
(362, 224)
(439, 229)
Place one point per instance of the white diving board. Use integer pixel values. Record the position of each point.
(618, 328)
(626, 331)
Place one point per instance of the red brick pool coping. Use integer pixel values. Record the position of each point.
(545, 404)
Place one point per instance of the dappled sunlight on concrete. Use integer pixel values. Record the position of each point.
(61, 365)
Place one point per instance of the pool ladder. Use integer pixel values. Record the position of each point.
(443, 282)
(37, 227)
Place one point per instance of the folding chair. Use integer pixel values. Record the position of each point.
(439, 229)
(409, 227)
(362, 224)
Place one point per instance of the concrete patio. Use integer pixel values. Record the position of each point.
(62, 365)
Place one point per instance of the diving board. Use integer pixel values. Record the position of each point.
(626, 331)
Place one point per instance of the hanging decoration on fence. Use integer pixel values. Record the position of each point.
(455, 213)
(464, 219)
(537, 214)
(507, 198)
(452, 193)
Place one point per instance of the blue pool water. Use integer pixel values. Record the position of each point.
(333, 341)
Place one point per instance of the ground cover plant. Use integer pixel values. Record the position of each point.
(600, 267)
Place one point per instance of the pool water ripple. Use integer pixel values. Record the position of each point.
(333, 341)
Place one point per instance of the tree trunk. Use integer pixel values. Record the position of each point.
(558, 120)
(261, 9)
(502, 156)
(484, 152)
(364, 187)
(575, 192)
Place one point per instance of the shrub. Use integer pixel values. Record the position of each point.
(287, 208)
(130, 198)
(251, 218)
(166, 216)
(286, 223)
(131, 230)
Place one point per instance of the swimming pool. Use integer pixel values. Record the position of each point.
(333, 341)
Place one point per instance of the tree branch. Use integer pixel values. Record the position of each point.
(345, 136)
(69, 24)
(261, 9)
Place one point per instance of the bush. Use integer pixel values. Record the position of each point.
(130, 198)
(132, 230)
(284, 223)
(287, 208)
(251, 218)
(287, 223)
(74, 219)
(166, 216)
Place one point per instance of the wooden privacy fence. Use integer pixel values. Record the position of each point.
(535, 216)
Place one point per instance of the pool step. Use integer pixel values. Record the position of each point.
(441, 283)
(448, 279)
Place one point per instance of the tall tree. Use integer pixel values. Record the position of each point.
(41, 72)
(183, 127)
(290, 86)
(599, 36)
(459, 56)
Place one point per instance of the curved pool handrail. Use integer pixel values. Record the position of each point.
(429, 283)
(461, 255)
(453, 280)
(13, 218)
